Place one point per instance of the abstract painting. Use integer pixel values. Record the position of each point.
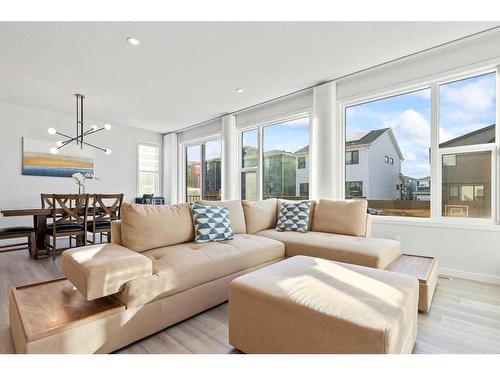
(38, 161)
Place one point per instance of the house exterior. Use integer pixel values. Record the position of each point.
(302, 172)
(373, 165)
(466, 178)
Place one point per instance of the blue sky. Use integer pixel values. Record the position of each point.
(465, 106)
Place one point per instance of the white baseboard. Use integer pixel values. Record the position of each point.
(491, 279)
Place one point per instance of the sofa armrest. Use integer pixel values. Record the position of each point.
(116, 232)
(101, 270)
(368, 230)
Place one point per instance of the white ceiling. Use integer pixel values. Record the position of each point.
(187, 72)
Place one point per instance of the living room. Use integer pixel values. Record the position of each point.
(236, 187)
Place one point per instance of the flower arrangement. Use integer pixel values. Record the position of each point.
(80, 180)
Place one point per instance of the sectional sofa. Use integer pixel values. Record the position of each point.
(160, 276)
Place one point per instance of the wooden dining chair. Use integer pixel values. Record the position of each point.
(69, 218)
(19, 232)
(105, 209)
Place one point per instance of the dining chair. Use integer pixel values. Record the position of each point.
(69, 218)
(19, 232)
(47, 202)
(105, 209)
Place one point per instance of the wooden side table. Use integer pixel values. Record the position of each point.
(424, 269)
(45, 317)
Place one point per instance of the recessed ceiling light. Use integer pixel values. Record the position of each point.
(134, 41)
(239, 90)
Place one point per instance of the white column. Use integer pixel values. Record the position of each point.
(229, 169)
(170, 166)
(324, 139)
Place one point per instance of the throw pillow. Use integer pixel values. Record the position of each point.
(211, 223)
(294, 216)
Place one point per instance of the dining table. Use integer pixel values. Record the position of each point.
(40, 216)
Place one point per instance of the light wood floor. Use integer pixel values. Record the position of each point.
(465, 316)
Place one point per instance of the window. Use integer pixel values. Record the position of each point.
(203, 171)
(396, 130)
(304, 189)
(454, 192)
(301, 162)
(449, 160)
(470, 182)
(353, 189)
(278, 153)
(467, 117)
(352, 157)
(148, 165)
(193, 173)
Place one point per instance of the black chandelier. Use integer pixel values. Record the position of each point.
(80, 133)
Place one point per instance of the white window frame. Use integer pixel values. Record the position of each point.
(259, 126)
(160, 167)
(433, 83)
(182, 157)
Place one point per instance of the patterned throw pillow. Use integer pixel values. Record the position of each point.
(294, 216)
(211, 223)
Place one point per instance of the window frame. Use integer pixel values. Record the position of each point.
(259, 169)
(138, 170)
(433, 83)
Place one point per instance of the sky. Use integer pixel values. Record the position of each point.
(465, 106)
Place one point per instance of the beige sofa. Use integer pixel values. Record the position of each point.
(162, 277)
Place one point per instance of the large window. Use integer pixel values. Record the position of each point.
(387, 154)
(466, 145)
(274, 161)
(203, 171)
(391, 143)
(148, 169)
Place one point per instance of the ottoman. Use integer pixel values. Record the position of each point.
(313, 305)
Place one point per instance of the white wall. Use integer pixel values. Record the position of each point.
(118, 171)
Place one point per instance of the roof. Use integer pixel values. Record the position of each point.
(483, 135)
(364, 138)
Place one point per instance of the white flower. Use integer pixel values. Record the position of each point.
(79, 178)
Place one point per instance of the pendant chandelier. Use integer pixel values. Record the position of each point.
(81, 134)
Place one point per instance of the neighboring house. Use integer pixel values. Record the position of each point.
(422, 190)
(279, 174)
(302, 173)
(466, 180)
(373, 165)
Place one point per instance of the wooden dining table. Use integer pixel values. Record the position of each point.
(40, 216)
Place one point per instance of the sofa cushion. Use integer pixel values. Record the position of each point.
(101, 270)
(180, 267)
(146, 227)
(311, 210)
(236, 214)
(260, 215)
(341, 217)
(211, 223)
(369, 252)
(294, 217)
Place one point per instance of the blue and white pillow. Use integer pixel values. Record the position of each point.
(294, 217)
(211, 223)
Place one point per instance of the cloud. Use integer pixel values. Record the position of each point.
(467, 105)
(413, 133)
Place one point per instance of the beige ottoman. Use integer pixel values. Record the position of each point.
(313, 305)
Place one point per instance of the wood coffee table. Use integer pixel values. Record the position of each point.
(424, 269)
